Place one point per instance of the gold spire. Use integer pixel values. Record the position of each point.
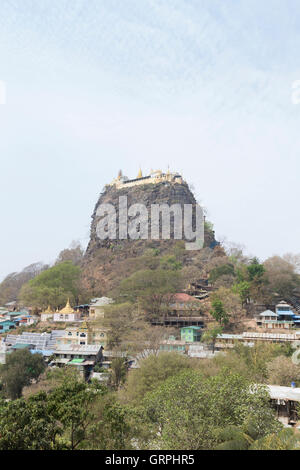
(84, 325)
(49, 310)
(140, 174)
(67, 308)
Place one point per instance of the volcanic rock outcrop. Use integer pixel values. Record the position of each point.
(107, 261)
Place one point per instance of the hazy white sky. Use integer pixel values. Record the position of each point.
(94, 86)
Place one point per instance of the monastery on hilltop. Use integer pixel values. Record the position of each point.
(153, 178)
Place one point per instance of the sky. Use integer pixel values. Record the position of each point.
(201, 86)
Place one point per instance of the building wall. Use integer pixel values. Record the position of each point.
(148, 180)
(96, 312)
(65, 317)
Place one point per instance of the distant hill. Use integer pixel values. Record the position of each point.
(11, 286)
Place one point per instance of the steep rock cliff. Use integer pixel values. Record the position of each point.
(106, 262)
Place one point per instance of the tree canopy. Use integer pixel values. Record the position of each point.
(53, 286)
(20, 368)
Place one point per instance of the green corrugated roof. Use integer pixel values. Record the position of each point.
(21, 346)
(76, 361)
(191, 327)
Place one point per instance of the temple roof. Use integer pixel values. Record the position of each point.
(268, 313)
(67, 308)
(49, 310)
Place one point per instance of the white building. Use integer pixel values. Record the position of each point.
(97, 307)
(67, 314)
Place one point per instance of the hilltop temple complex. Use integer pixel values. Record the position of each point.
(154, 177)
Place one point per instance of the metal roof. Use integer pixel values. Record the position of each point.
(86, 349)
(21, 346)
(277, 392)
(230, 336)
(101, 302)
(41, 341)
(193, 327)
(268, 313)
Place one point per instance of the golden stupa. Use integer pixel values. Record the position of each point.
(67, 308)
(49, 310)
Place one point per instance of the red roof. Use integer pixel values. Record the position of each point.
(185, 298)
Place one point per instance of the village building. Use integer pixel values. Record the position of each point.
(42, 343)
(183, 310)
(98, 335)
(86, 333)
(2, 352)
(174, 345)
(285, 401)
(47, 315)
(84, 357)
(191, 334)
(248, 338)
(11, 306)
(154, 177)
(284, 317)
(3, 312)
(109, 355)
(97, 307)
(67, 314)
(76, 335)
(6, 325)
(11, 320)
(201, 351)
(199, 290)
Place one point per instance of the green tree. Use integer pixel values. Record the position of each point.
(248, 437)
(71, 405)
(170, 262)
(286, 439)
(219, 313)
(188, 411)
(112, 428)
(211, 334)
(237, 437)
(152, 289)
(153, 371)
(255, 270)
(219, 271)
(20, 369)
(118, 372)
(256, 358)
(243, 290)
(27, 425)
(53, 286)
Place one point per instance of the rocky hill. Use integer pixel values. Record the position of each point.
(106, 262)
